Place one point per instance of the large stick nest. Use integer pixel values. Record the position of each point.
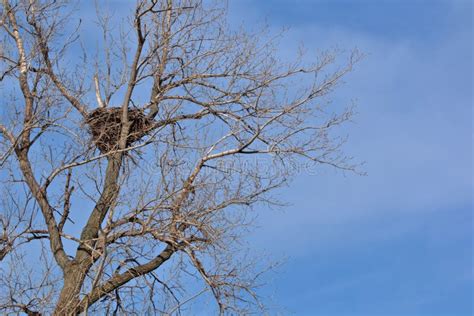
(106, 125)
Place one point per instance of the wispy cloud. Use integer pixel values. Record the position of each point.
(413, 129)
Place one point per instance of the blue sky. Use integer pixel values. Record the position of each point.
(398, 241)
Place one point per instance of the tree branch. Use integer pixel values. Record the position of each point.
(120, 279)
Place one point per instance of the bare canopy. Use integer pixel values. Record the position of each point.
(132, 166)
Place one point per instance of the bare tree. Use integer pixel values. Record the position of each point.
(133, 175)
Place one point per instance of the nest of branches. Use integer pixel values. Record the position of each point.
(106, 125)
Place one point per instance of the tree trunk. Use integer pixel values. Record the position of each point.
(69, 299)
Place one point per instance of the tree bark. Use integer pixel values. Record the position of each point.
(69, 297)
